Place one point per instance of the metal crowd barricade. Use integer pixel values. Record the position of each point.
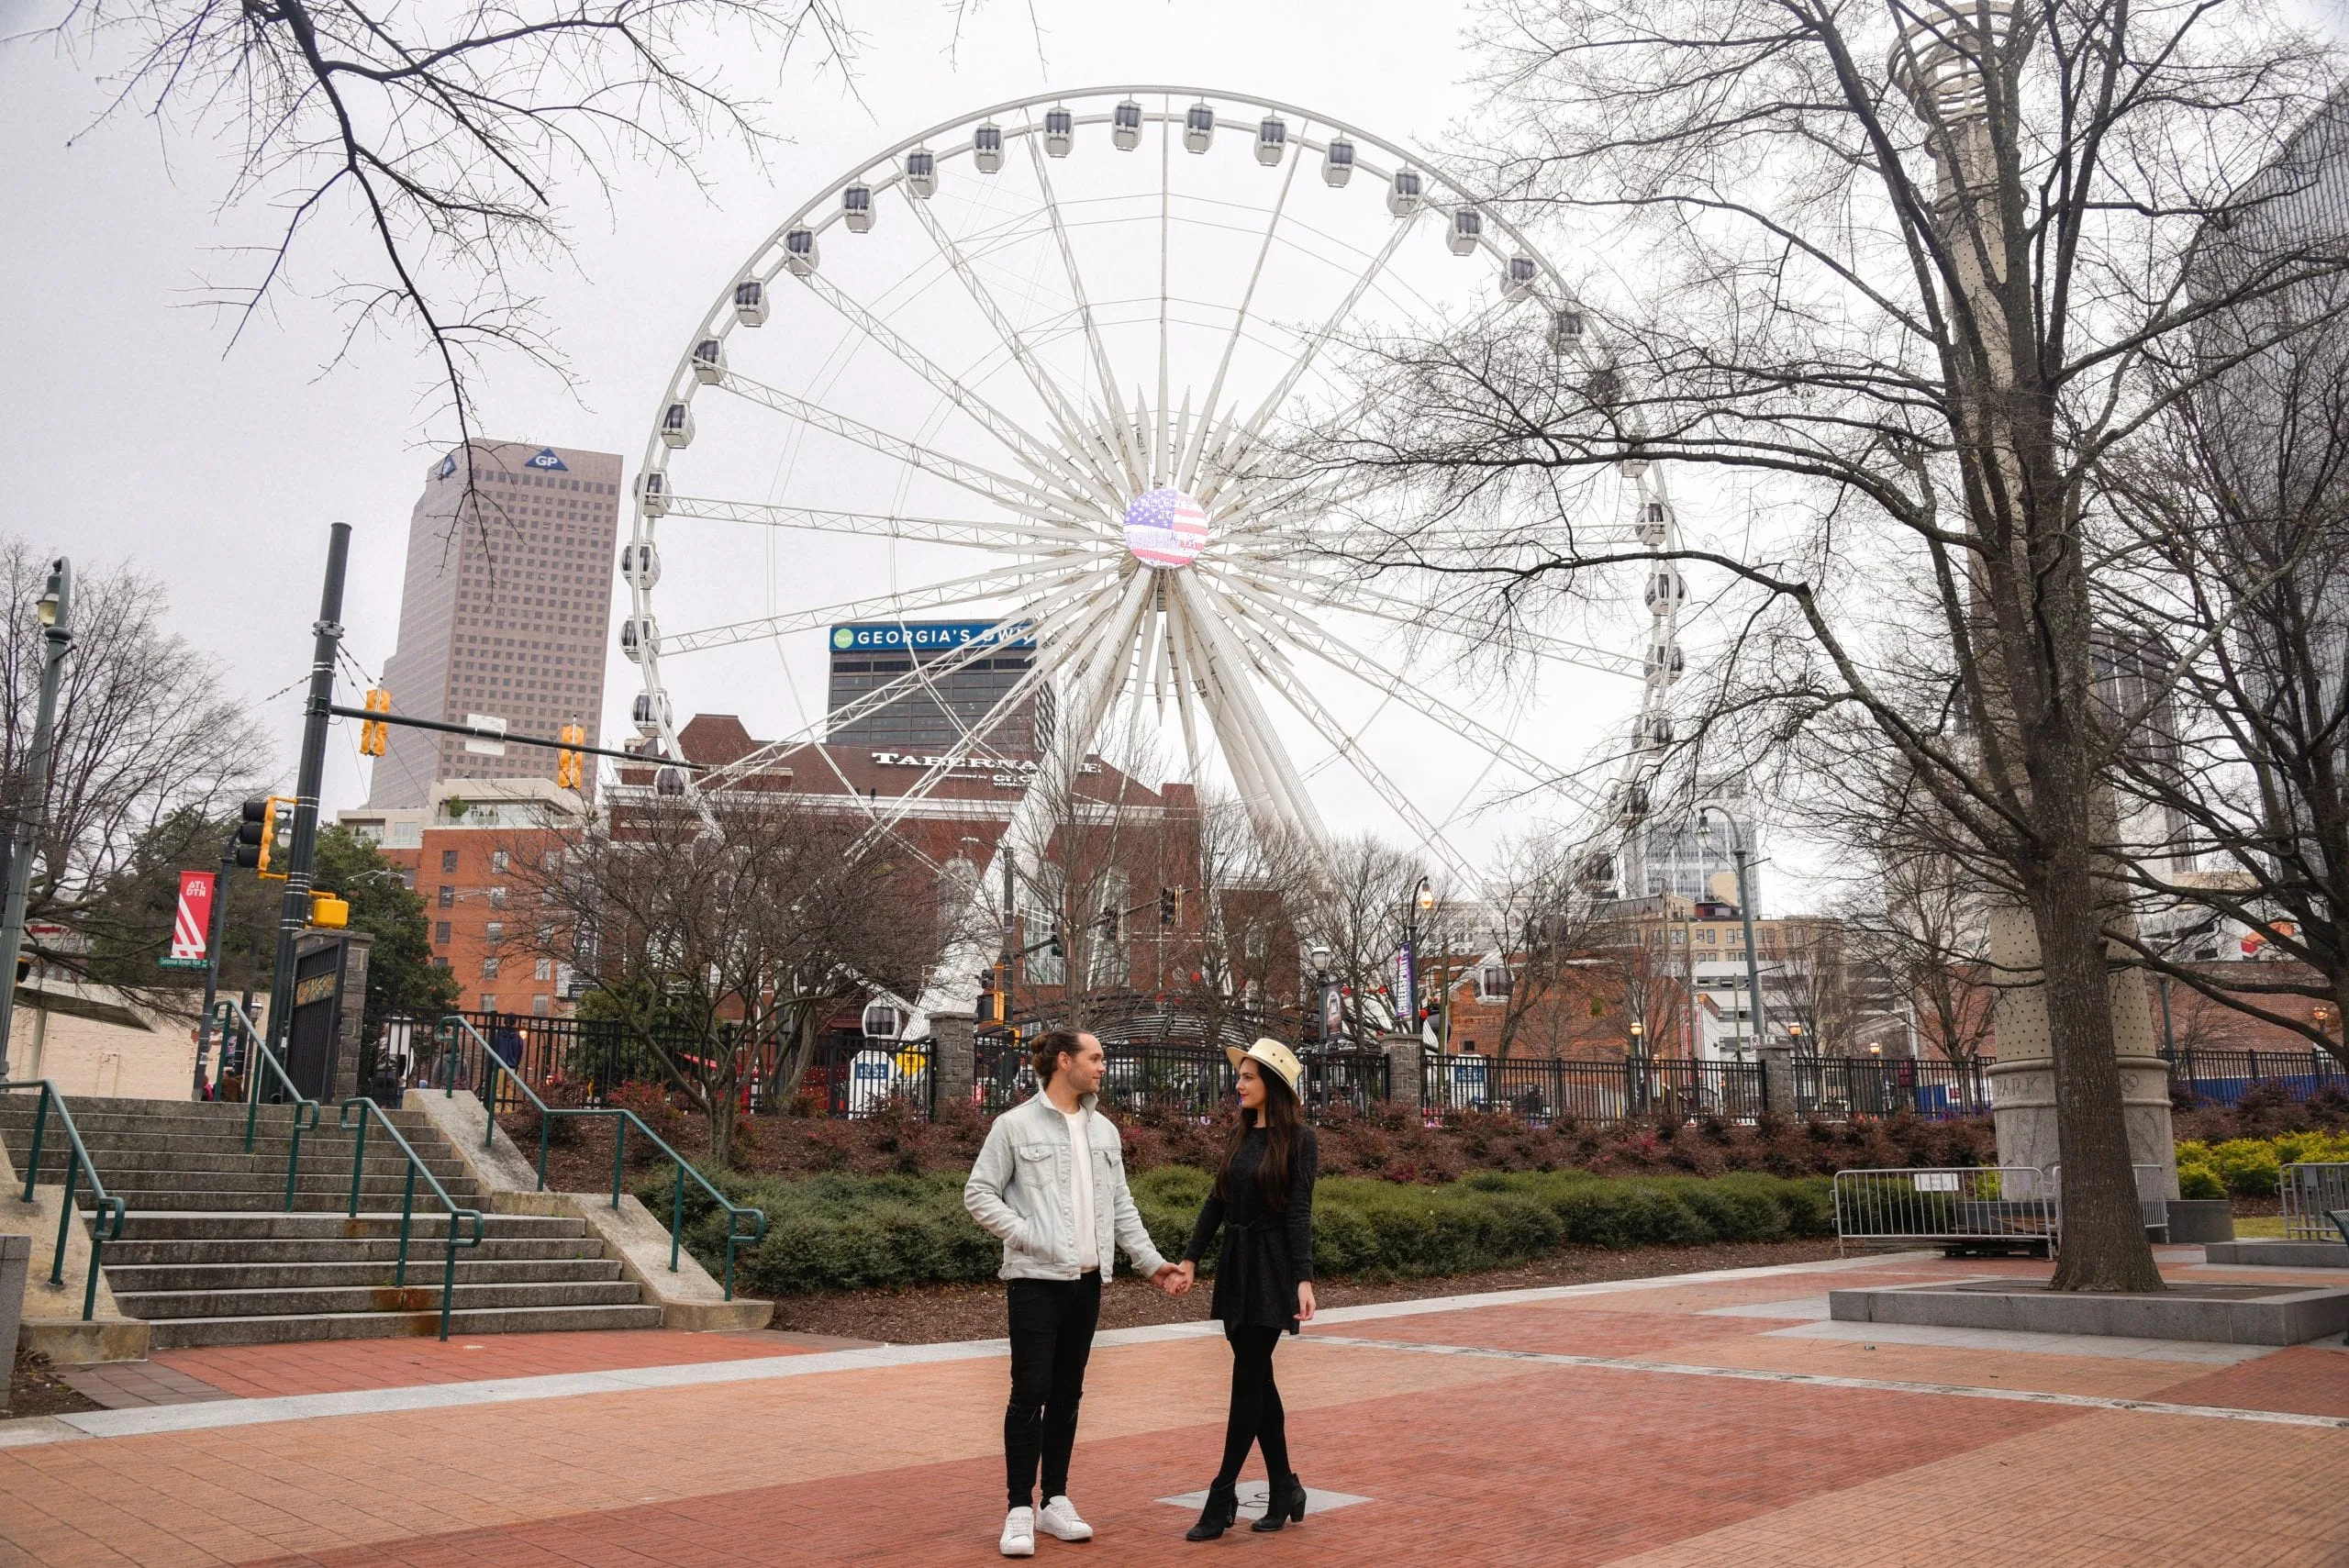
(2153, 1198)
(1960, 1209)
(2311, 1189)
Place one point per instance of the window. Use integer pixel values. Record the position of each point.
(489, 1001)
(408, 878)
(495, 931)
(497, 861)
(448, 896)
(497, 898)
(539, 1005)
(441, 934)
(439, 961)
(1493, 981)
(488, 971)
(545, 970)
(447, 860)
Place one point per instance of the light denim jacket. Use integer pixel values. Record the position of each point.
(1018, 1192)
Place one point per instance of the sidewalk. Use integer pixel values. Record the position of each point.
(1696, 1420)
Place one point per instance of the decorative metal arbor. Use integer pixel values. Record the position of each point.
(1033, 365)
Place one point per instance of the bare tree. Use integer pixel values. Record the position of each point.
(1546, 926)
(1357, 910)
(144, 736)
(445, 134)
(1911, 320)
(718, 939)
(1922, 933)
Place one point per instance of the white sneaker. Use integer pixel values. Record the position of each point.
(1018, 1533)
(1059, 1516)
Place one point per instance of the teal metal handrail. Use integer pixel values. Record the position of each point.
(368, 1109)
(621, 1120)
(77, 1160)
(256, 1048)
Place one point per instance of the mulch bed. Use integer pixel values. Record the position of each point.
(937, 1314)
(35, 1389)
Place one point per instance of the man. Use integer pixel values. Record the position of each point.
(1051, 1184)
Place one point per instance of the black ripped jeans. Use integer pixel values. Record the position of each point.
(1052, 1338)
(1256, 1416)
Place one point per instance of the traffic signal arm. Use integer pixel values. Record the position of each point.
(485, 733)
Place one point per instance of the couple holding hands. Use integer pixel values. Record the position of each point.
(1051, 1184)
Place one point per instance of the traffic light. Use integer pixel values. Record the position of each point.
(1112, 921)
(1166, 906)
(263, 827)
(375, 735)
(567, 760)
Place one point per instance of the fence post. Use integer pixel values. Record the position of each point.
(1406, 1081)
(953, 1062)
(1777, 1078)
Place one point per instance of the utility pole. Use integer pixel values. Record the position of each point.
(212, 964)
(294, 910)
(32, 806)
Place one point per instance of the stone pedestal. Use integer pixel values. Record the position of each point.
(954, 1063)
(1404, 1073)
(2022, 1080)
(1779, 1078)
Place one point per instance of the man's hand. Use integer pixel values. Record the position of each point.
(1305, 1301)
(1168, 1279)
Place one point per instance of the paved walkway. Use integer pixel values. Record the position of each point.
(1706, 1420)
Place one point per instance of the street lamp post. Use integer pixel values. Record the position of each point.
(1320, 956)
(1742, 853)
(57, 637)
(1423, 901)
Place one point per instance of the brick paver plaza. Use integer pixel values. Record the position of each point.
(1715, 1419)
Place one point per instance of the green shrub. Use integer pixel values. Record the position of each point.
(2247, 1166)
(851, 1233)
(2196, 1179)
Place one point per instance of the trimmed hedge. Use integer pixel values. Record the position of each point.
(2251, 1167)
(866, 1233)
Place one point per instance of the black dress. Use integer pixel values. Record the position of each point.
(1266, 1253)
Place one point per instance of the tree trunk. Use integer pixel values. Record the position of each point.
(2104, 1246)
(724, 1094)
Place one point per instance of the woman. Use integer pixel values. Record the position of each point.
(1263, 1276)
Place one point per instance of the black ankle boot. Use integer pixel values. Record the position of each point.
(1221, 1514)
(1284, 1501)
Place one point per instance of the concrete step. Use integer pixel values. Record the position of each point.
(416, 1296)
(92, 1117)
(192, 1251)
(182, 1332)
(424, 1265)
(372, 1224)
(306, 1179)
(128, 1161)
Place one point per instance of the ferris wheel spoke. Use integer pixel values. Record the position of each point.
(1092, 329)
(1228, 669)
(995, 533)
(1040, 460)
(1351, 661)
(1239, 442)
(1187, 471)
(1067, 420)
(1013, 495)
(1303, 593)
(978, 584)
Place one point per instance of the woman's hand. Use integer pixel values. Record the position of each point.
(1305, 1301)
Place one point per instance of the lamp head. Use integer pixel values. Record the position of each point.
(55, 595)
(1320, 954)
(1425, 897)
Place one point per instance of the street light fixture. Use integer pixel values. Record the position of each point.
(1742, 853)
(56, 610)
(1422, 903)
(1318, 955)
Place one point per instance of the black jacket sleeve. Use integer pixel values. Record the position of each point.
(1211, 1220)
(1305, 1164)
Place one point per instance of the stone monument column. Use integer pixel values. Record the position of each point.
(953, 1060)
(1403, 1069)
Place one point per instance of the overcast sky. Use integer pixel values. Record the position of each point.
(141, 434)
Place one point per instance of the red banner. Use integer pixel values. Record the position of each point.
(192, 926)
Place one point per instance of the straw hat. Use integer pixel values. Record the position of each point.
(1271, 1053)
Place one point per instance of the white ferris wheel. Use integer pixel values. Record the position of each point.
(1032, 365)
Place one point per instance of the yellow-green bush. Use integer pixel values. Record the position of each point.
(2250, 1167)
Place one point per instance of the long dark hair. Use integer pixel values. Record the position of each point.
(1282, 1124)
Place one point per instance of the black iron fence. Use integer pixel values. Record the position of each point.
(593, 1056)
(1543, 1091)
(857, 1077)
(1177, 1079)
(2222, 1077)
(1837, 1088)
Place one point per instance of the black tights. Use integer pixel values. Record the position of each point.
(1256, 1417)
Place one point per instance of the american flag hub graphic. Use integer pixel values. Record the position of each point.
(1165, 529)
